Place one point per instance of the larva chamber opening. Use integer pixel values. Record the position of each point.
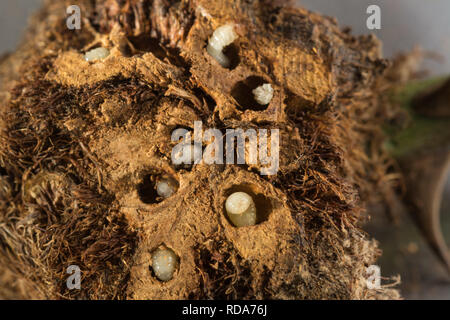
(243, 93)
(155, 188)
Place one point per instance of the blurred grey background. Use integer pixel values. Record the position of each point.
(13, 21)
(404, 24)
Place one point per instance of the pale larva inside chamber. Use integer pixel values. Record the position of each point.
(241, 209)
(263, 94)
(96, 54)
(221, 38)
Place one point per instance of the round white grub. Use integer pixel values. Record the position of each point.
(241, 209)
(96, 54)
(263, 94)
(164, 263)
(222, 37)
(164, 188)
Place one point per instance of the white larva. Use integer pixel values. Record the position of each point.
(241, 209)
(96, 54)
(164, 188)
(222, 37)
(164, 263)
(263, 94)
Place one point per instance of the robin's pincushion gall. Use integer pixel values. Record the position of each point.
(85, 153)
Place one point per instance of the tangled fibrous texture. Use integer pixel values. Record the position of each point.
(83, 144)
